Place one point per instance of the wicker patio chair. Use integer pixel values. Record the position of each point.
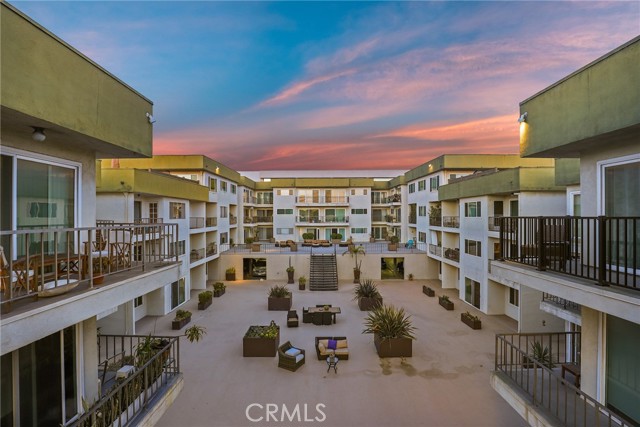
(289, 357)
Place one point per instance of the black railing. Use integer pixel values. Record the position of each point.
(133, 371)
(603, 249)
(211, 221)
(435, 221)
(322, 219)
(451, 221)
(533, 363)
(452, 253)
(561, 302)
(196, 222)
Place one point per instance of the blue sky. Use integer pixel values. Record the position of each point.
(344, 85)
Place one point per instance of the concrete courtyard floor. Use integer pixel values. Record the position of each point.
(445, 383)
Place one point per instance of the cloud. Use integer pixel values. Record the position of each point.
(297, 88)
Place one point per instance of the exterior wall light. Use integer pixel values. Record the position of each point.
(523, 117)
(38, 134)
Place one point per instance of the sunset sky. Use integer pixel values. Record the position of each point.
(320, 85)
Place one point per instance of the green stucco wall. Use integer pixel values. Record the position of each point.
(155, 183)
(45, 78)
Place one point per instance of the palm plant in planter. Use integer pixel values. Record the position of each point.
(205, 299)
(219, 289)
(230, 274)
(182, 318)
(541, 354)
(367, 295)
(280, 298)
(354, 251)
(444, 301)
(393, 332)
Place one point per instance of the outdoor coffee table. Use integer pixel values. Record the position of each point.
(332, 364)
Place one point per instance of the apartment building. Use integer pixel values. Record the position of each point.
(586, 262)
(60, 113)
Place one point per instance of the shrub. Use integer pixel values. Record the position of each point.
(231, 270)
(366, 289)
(219, 286)
(205, 297)
(336, 236)
(279, 291)
(182, 314)
(394, 239)
(389, 322)
(308, 236)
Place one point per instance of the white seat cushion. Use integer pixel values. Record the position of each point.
(299, 357)
(292, 352)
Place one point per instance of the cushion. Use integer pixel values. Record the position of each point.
(342, 351)
(292, 352)
(341, 344)
(332, 344)
(299, 357)
(322, 347)
(323, 342)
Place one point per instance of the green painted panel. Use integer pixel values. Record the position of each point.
(623, 367)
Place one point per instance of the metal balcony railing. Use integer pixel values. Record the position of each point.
(603, 249)
(212, 249)
(233, 219)
(247, 220)
(452, 253)
(50, 261)
(561, 302)
(211, 221)
(249, 200)
(412, 219)
(451, 221)
(435, 221)
(394, 198)
(196, 254)
(154, 363)
(268, 218)
(532, 362)
(196, 222)
(435, 249)
(494, 223)
(322, 219)
(265, 200)
(322, 200)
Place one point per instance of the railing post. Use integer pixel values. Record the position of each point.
(602, 251)
(540, 245)
(502, 239)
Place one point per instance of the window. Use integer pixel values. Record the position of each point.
(284, 230)
(376, 215)
(284, 211)
(213, 184)
(224, 238)
(359, 230)
(422, 185)
(138, 302)
(178, 295)
(472, 210)
(224, 211)
(358, 211)
(176, 210)
(434, 183)
(472, 292)
(514, 297)
(223, 186)
(422, 211)
(153, 212)
(412, 188)
(498, 208)
(422, 237)
(472, 247)
(287, 192)
(265, 198)
(335, 215)
(377, 197)
(233, 189)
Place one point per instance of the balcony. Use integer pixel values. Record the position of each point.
(451, 221)
(54, 261)
(233, 219)
(155, 366)
(247, 220)
(264, 219)
(452, 254)
(391, 219)
(211, 221)
(322, 220)
(196, 255)
(435, 221)
(393, 199)
(412, 219)
(196, 222)
(332, 200)
(532, 364)
(494, 223)
(265, 200)
(561, 303)
(435, 250)
(601, 249)
(249, 200)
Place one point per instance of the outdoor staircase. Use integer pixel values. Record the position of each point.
(324, 273)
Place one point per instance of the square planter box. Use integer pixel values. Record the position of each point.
(179, 324)
(280, 304)
(446, 304)
(392, 247)
(366, 304)
(473, 324)
(255, 247)
(260, 347)
(231, 277)
(204, 305)
(218, 294)
(428, 291)
(395, 347)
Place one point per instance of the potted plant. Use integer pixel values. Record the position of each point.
(280, 298)
(393, 243)
(371, 238)
(541, 354)
(392, 331)
(336, 238)
(470, 320)
(182, 318)
(444, 301)
(428, 291)
(290, 273)
(367, 295)
(410, 277)
(230, 274)
(261, 341)
(354, 251)
(219, 289)
(205, 299)
(302, 281)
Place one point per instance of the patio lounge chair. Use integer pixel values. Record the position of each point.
(292, 319)
(290, 357)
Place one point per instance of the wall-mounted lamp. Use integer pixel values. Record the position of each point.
(218, 170)
(38, 134)
(523, 117)
(150, 118)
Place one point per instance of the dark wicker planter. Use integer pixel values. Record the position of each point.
(428, 291)
(301, 286)
(446, 304)
(204, 305)
(260, 347)
(472, 323)
(356, 276)
(366, 304)
(231, 277)
(290, 277)
(179, 324)
(280, 304)
(394, 347)
(218, 293)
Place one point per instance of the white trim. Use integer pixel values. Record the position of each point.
(600, 167)
(570, 201)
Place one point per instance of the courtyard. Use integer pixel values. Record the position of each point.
(445, 383)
